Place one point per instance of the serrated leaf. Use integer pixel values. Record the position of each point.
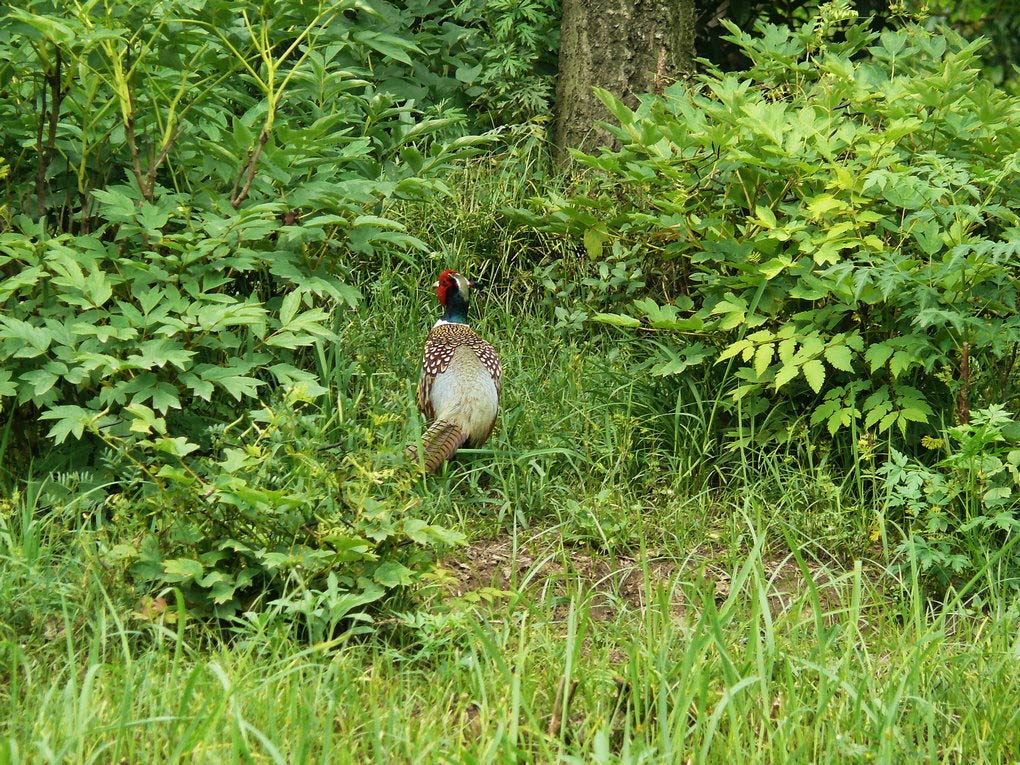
(877, 354)
(182, 569)
(27, 277)
(762, 358)
(201, 388)
(840, 419)
(7, 386)
(824, 203)
(36, 339)
(786, 373)
(289, 306)
(901, 361)
(740, 346)
(770, 269)
(914, 414)
(236, 385)
(814, 373)
(765, 216)
(840, 357)
(164, 397)
(69, 420)
(787, 348)
(877, 413)
(392, 574)
(178, 446)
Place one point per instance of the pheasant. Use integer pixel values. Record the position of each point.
(461, 379)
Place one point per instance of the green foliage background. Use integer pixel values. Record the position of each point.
(753, 494)
(834, 232)
(818, 256)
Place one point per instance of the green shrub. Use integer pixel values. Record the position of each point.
(494, 59)
(270, 519)
(961, 512)
(190, 189)
(826, 256)
(836, 228)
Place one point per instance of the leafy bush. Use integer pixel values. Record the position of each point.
(493, 60)
(962, 511)
(189, 191)
(829, 254)
(273, 520)
(836, 228)
(206, 270)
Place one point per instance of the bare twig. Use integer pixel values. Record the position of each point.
(562, 704)
(136, 160)
(248, 171)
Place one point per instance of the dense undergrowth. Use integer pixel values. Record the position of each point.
(698, 533)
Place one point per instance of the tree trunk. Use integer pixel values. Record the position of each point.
(627, 47)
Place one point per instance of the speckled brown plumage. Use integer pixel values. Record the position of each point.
(440, 345)
(461, 380)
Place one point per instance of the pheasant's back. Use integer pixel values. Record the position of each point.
(444, 363)
(461, 380)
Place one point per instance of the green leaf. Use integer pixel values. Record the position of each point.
(389, 45)
(393, 574)
(159, 352)
(814, 373)
(7, 386)
(840, 357)
(145, 420)
(26, 277)
(877, 354)
(201, 388)
(762, 358)
(765, 216)
(35, 340)
(237, 385)
(739, 347)
(182, 570)
(593, 241)
(289, 306)
(179, 446)
(616, 319)
(164, 397)
(901, 361)
(70, 420)
(823, 204)
(786, 373)
(770, 269)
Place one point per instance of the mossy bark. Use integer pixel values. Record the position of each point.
(627, 47)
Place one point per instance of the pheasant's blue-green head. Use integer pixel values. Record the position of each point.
(453, 290)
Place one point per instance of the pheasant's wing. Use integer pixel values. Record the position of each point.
(422, 396)
(489, 358)
(439, 348)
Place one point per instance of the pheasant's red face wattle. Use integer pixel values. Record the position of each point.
(447, 279)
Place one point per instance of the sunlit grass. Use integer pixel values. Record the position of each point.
(680, 655)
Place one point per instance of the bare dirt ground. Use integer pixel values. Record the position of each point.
(541, 569)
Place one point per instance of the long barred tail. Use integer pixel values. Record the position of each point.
(438, 443)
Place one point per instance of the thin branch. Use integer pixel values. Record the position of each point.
(164, 152)
(248, 172)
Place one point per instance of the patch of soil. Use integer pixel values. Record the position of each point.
(495, 563)
(542, 569)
